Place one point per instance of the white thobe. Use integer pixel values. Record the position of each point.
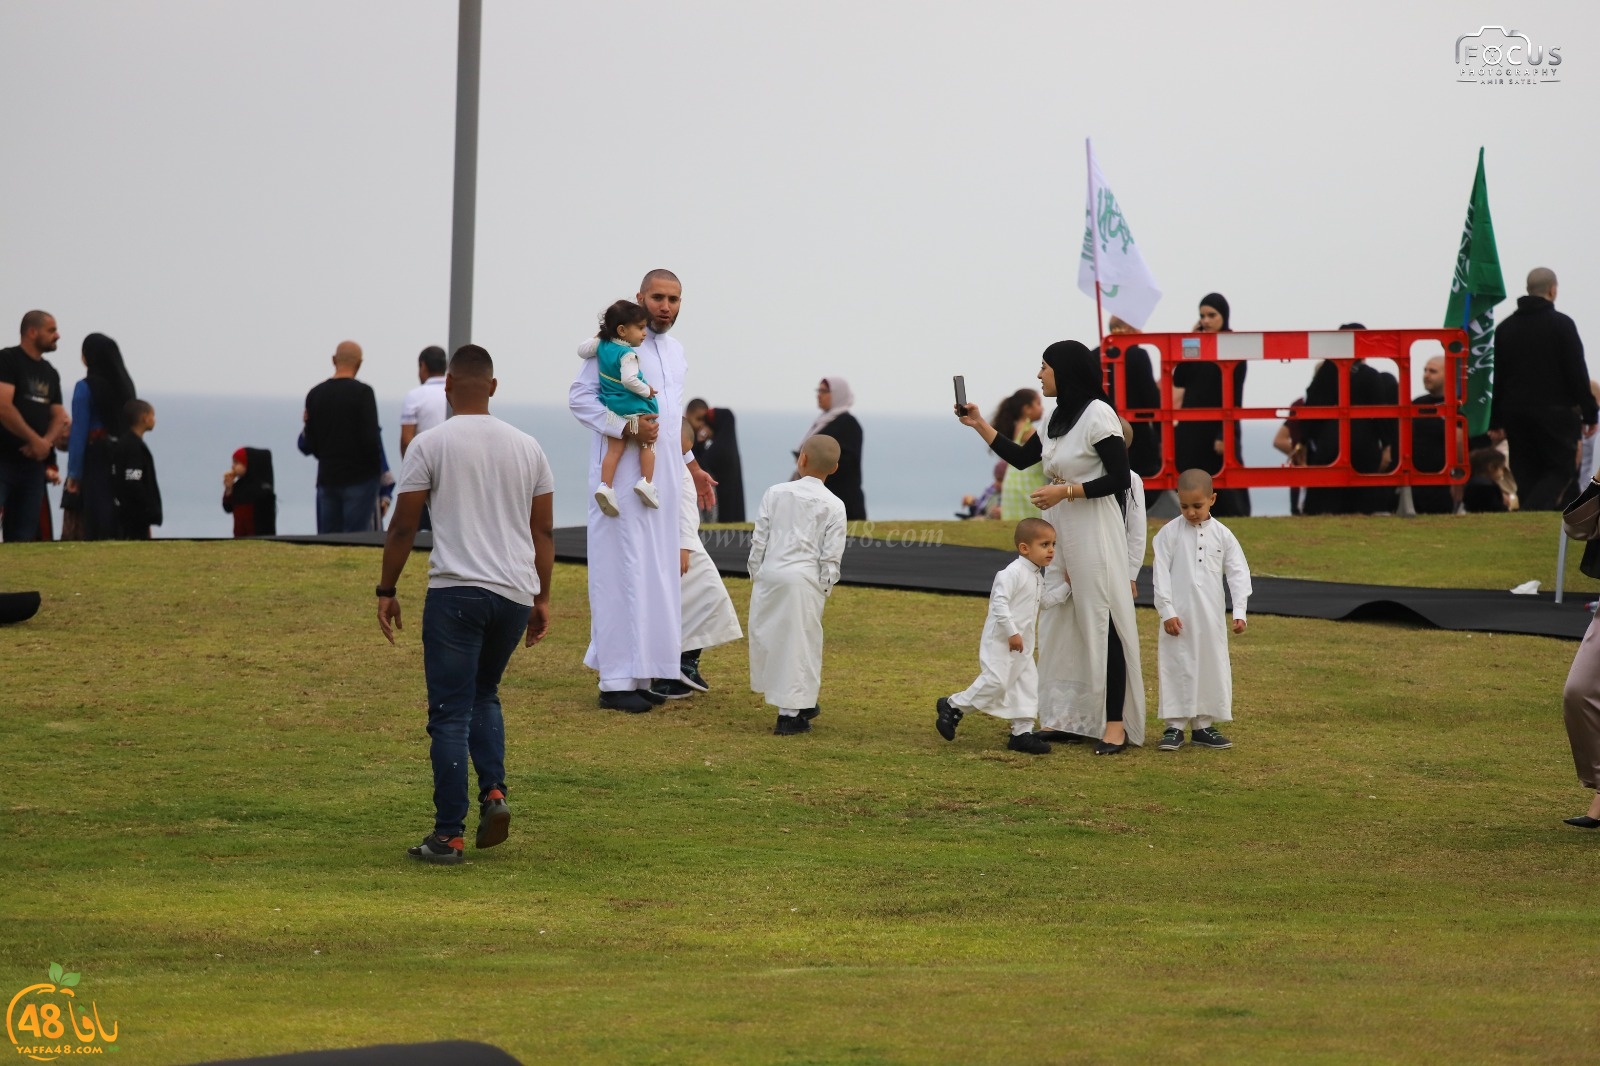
(1008, 681)
(1191, 561)
(794, 561)
(1138, 525)
(708, 615)
(1092, 546)
(635, 613)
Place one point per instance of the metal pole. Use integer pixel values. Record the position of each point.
(464, 218)
(1561, 566)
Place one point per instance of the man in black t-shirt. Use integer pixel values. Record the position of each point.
(1428, 444)
(341, 419)
(33, 422)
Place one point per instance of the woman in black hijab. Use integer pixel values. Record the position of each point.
(1199, 444)
(248, 495)
(1090, 684)
(97, 421)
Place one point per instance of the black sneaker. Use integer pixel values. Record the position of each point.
(689, 672)
(810, 713)
(494, 819)
(1209, 738)
(436, 849)
(654, 699)
(626, 702)
(791, 724)
(1171, 739)
(1028, 743)
(949, 717)
(671, 688)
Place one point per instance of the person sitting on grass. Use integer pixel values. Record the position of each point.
(487, 487)
(1193, 552)
(627, 398)
(133, 475)
(1008, 679)
(1490, 489)
(795, 553)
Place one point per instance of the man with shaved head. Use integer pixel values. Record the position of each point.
(341, 420)
(1427, 444)
(1541, 396)
(32, 420)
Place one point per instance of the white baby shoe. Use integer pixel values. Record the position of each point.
(607, 499)
(647, 493)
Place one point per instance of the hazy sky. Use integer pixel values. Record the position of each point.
(889, 191)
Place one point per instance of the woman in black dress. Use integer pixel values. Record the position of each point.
(1199, 444)
(835, 399)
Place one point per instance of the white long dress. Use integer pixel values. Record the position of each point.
(708, 615)
(794, 562)
(635, 612)
(1008, 681)
(1191, 561)
(1092, 546)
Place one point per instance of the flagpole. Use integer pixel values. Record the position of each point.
(1094, 241)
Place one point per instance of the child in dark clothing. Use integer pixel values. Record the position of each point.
(247, 494)
(1490, 489)
(133, 475)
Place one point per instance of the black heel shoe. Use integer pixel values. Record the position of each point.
(1103, 748)
(1583, 821)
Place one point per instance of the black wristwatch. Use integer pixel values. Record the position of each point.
(390, 591)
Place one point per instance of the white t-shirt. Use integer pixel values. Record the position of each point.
(481, 476)
(425, 405)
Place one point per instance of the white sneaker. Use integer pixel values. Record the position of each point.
(647, 492)
(607, 500)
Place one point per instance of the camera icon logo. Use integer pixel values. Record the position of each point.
(1496, 55)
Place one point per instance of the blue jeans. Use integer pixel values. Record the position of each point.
(21, 495)
(468, 635)
(347, 508)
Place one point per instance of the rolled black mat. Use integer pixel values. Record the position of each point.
(18, 606)
(444, 1053)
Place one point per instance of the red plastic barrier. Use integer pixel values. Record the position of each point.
(1340, 347)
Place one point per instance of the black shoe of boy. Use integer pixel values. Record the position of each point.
(1028, 743)
(671, 688)
(1209, 738)
(437, 850)
(791, 724)
(629, 702)
(654, 699)
(494, 819)
(949, 717)
(689, 671)
(810, 713)
(1171, 739)
(1061, 736)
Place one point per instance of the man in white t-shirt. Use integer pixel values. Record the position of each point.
(489, 488)
(425, 405)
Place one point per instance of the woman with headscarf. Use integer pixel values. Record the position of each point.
(97, 422)
(1199, 384)
(835, 399)
(248, 495)
(1090, 682)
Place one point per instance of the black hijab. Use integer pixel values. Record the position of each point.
(255, 484)
(110, 387)
(1218, 303)
(1079, 382)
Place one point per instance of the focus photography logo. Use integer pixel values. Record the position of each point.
(46, 1022)
(1498, 56)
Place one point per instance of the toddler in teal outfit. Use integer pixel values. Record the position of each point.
(627, 397)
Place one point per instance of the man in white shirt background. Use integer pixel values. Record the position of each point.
(425, 406)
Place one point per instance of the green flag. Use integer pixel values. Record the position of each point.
(1474, 291)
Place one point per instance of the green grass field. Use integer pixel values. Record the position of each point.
(214, 763)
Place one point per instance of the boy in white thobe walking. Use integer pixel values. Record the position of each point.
(1008, 684)
(795, 553)
(1193, 553)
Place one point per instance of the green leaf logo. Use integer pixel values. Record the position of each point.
(70, 979)
(56, 972)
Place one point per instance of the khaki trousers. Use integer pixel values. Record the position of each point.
(1580, 706)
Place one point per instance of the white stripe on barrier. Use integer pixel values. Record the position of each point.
(1238, 346)
(1341, 345)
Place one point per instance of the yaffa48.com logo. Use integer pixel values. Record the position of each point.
(46, 1021)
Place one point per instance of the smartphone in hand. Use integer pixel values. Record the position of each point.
(961, 395)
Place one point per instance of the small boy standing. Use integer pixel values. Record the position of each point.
(133, 475)
(1008, 682)
(1193, 552)
(795, 553)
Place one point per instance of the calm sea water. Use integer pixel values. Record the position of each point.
(915, 466)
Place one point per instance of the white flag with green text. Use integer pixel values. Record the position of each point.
(1110, 256)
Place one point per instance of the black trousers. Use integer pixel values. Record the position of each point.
(1544, 455)
(1116, 675)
